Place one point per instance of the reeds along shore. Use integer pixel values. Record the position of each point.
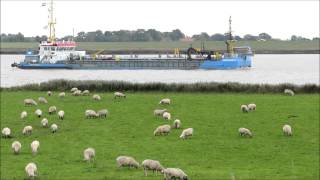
(105, 86)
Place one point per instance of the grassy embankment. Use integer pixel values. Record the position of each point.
(215, 152)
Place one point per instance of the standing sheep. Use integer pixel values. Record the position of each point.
(103, 113)
(124, 161)
(62, 94)
(91, 114)
(54, 128)
(119, 95)
(166, 116)
(16, 147)
(76, 93)
(89, 154)
(244, 108)
(31, 170)
(245, 132)
(159, 112)
(42, 100)
(23, 115)
(96, 97)
(252, 107)
(73, 89)
(6, 132)
(176, 124)
(49, 93)
(289, 92)
(162, 130)
(44, 122)
(287, 130)
(27, 130)
(52, 109)
(38, 113)
(86, 93)
(186, 133)
(165, 101)
(153, 165)
(173, 173)
(35, 146)
(30, 102)
(61, 114)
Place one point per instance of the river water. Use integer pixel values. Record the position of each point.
(266, 69)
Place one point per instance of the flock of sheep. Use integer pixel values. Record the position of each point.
(122, 161)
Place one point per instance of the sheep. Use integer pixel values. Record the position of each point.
(165, 101)
(49, 93)
(91, 114)
(30, 102)
(288, 92)
(252, 107)
(23, 114)
(173, 173)
(287, 130)
(85, 93)
(89, 154)
(54, 128)
(244, 108)
(159, 112)
(123, 161)
(153, 165)
(38, 113)
(96, 97)
(27, 130)
(6, 132)
(162, 130)
(166, 116)
(52, 109)
(44, 122)
(16, 147)
(42, 100)
(76, 93)
(103, 113)
(73, 89)
(35, 146)
(119, 95)
(176, 124)
(186, 133)
(31, 170)
(245, 132)
(61, 114)
(62, 94)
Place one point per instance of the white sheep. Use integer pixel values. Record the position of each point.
(52, 109)
(49, 93)
(162, 130)
(38, 113)
(173, 173)
(73, 89)
(103, 113)
(23, 114)
(165, 101)
(176, 124)
(119, 95)
(245, 132)
(89, 154)
(6, 132)
(287, 130)
(153, 165)
(123, 161)
(42, 100)
(159, 112)
(16, 147)
(35, 146)
(289, 92)
(96, 97)
(86, 93)
(54, 128)
(166, 115)
(31, 170)
(252, 107)
(44, 122)
(186, 133)
(76, 93)
(27, 130)
(91, 114)
(62, 94)
(30, 102)
(244, 108)
(61, 114)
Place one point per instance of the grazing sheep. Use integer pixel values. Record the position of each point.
(86, 93)
(49, 93)
(44, 122)
(16, 147)
(89, 154)
(173, 173)
(123, 161)
(62, 94)
(31, 170)
(23, 114)
(186, 133)
(289, 92)
(166, 116)
(61, 114)
(35, 146)
(6, 132)
(91, 114)
(73, 89)
(42, 100)
(119, 95)
(96, 97)
(153, 165)
(245, 132)
(176, 124)
(252, 107)
(287, 130)
(244, 108)
(27, 130)
(54, 128)
(52, 109)
(30, 102)
(103, 113)
(76, 93)
(38, 113)
(162, 130)
(165, 101)
(159, 112)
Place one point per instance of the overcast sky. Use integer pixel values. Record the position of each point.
(281, 19)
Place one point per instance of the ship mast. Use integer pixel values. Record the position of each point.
(51, 23)
(230, 42)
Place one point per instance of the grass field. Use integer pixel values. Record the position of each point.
(214, 152)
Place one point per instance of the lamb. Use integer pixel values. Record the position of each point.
(159, 112)
(86, 93)
(62, 94)
(76, 93)
(31, 170)
(173, 173)
(244, 108)
(166, 115)
(61, 114)
(162, 130)
(35, 146)
(52, 109)
(119, 95)
(38, 113)
(27, 130)
(123, 161)
(89, 154)
(245, 132)
(54, 128)
(186, 133)
(287, 130)
(176, 124)
(6, 132)
(91, 114)
(30, 102)
(252, 107)
(49, 93)
(96, 97)
(16, 147)
(23, 114)
(165, 101)
(44, 122)
(42, 100)
(73, 89)
(103, 113)
(153, 165)
(289, 92)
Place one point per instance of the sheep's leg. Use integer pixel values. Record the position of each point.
(145, 171)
